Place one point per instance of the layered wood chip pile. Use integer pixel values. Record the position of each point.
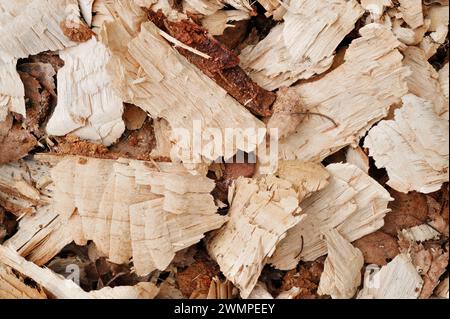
(95, 202)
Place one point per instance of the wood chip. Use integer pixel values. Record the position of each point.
(421, 233)
(12, 93)
(397, 280)
(303, 45)
(342, 269)
(359, 205)
(413, 147)
(348, 95)
(412, 12)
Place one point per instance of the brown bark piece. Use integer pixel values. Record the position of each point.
(78, 32)
(197, 278)
(306, 279)
(408, 210)
(378, 248)
(222, 66)
(15, 142)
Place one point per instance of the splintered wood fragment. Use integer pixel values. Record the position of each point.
(163, 132)
(88, 106)
(376, 8)
(222, 65)
(358, 206)
(60, 288)
(342, 269)
(397, 280)
(142, 290)
(39, 24)
(413, 147)
(355, 95)
(424, 81)
(15, 141)
(412, 12)
(86, 7)
(421, 233)
(303, 45)
(273, 8)
(357, 157)
(11, 287)
(11, 88)
(219, 21)
(260, 292)
(444, 81)
(147, 65)
(221, 289)
(261, 212)
(127, 208)
(210, 7)
(56, 285)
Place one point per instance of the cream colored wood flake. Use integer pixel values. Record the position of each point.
(86, 10)
(219, 21)
(353, 203)
(424, 80)
(342, 269)
(147, 65)
(356, 95)
(443, 80)
(357, 157)
(397, 280)
(129, 209)
(11, 287)
(413, 147)
(421, 233)
(11, 88)
(274, 8)
(411, 11)
(261, 212)
(31, 27)
(303, 45)
(376, 8)
(87, 103)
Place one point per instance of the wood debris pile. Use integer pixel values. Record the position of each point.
(224, 149)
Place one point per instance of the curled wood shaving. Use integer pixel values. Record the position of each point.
(358, 206)
(342, 269)
(87, 104)
(413, 147)
(356, 95)
(303, 45)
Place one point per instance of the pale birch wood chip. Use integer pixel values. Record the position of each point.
(142, 75)
(353, 203)
(443, 80)
(303, 45)
(411, 11)
(12, 287)
(342, 269)
(260, 292)
(413, 147)
(39, 24)
(217, 23)
(12, 91)
(86, 10)
(424, 80)
(397, 280)
(261, 212)
(221, 290)
(357, 157)
(210, 7)
(127, 208)
(376, 8)
(88, 106)
(61, 288)
(355, 95)
(421, 233)
(274, 8)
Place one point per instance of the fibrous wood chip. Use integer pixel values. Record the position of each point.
(342, 269)
(355, 95)
(219, 21)
(421, 233)
(413, 147)
(149, 212)
(86, 7)
(357, 157)
(15, 141)
(143, 74)
(303, 45)
(397, 280)
(87, 104)
(376, 8)
(443, 80)
(262, 211)
(358, 206)
(12, 287)
(210, 7)
(411, 11)
(39, 24)
(12, 92)
(61, 288)
(273, 8)
(424, 81)
(221, 289)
